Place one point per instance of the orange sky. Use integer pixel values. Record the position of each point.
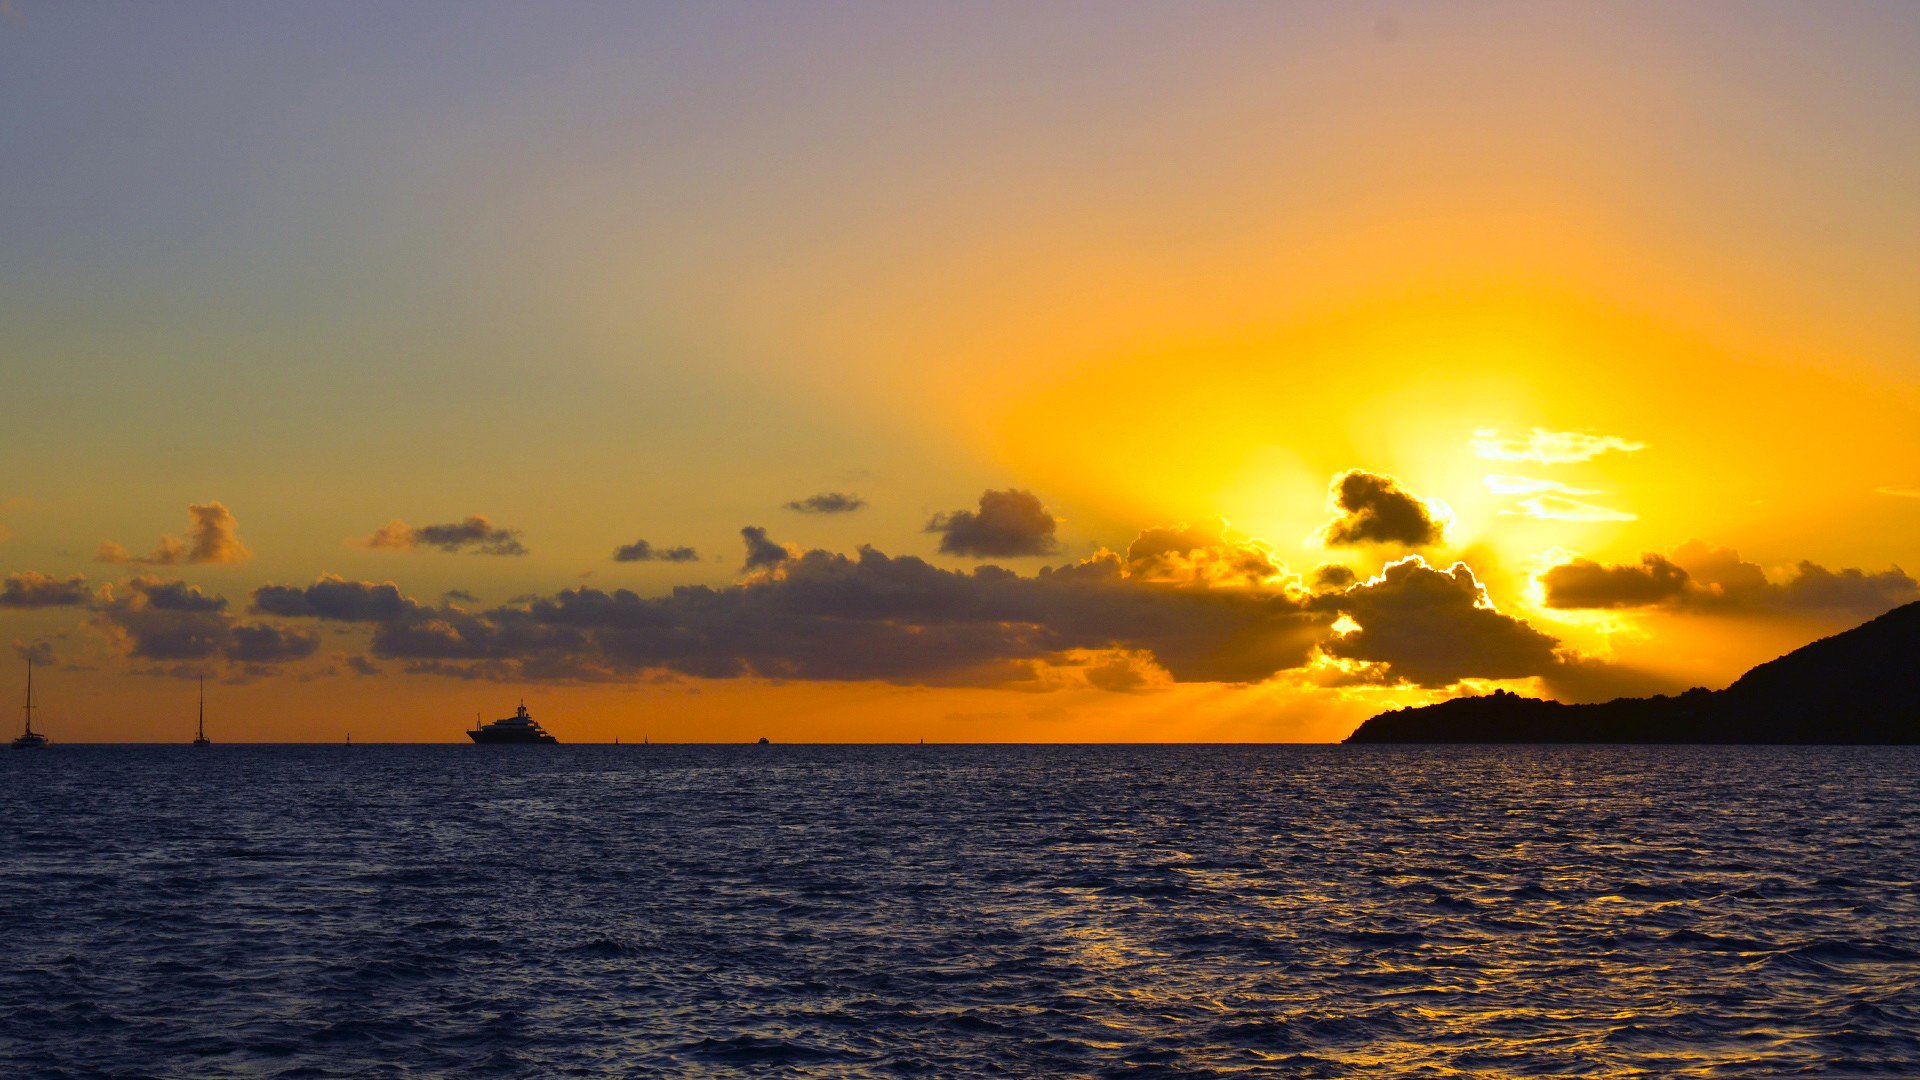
(1570, 287)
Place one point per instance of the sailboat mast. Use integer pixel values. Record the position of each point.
(28, 709)
(201, 731)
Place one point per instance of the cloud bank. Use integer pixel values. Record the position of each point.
(1701, 577)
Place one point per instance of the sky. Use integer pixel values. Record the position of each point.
(966, 372)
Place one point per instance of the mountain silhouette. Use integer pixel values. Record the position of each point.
(1859, 687)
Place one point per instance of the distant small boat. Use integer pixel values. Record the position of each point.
(519, 728)
(764, 741)
(200, 739)
(30, 739)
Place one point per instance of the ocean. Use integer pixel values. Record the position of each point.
(849, 911)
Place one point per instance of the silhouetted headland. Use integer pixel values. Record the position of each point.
(1858, 687)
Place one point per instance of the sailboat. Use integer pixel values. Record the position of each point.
(30, 739)
(201, 739)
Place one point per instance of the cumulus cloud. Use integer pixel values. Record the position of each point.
(1200, 554)
(476, 535)
(1561, 508)
(1008, 524)
(265, 644)
(828, 502)
(641, 551)
(1583, 583)
(1183, 605)
(29, 589)
(1332, 576)
(1374, 509)
(1545, 447)
(1703, 577)
(156, 619)
(762, 553)
(1436, 627)
(213, 536)
(333, 597)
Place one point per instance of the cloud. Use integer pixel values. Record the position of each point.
(1583, 583)
(762, 553)
(1436, 627)
(335, 598)
(213, 536)
(265, 644)
(1561, 508)
(1546, 447)
(476, 535)
(158, 619)
(1008, 524)
(40, 652)
(1702, 577)
(1332, 576)
(1374, 509)
(1196, 554)
(1898, 492)
(28, 589)
(1160, 615)
(641, 551)
(827, 502)
(1502, 484)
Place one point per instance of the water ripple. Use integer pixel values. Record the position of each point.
(940, 911)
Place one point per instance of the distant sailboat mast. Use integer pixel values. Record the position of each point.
(200, 731)
(28, 708)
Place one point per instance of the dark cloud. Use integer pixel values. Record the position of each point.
(828, 502)
(1008, 524)
(156, 619)
(1375, 509)
(178, 628)
(824, 616)
(1328, 576)
(762, 553)
(264, 644)
(331, 597)
(1703, 577)
(29, 589)
(176, 595)
(1436, 627)
(1583, 583)
(213, 536)
(476, 535)
(363, 666)
(641, 551)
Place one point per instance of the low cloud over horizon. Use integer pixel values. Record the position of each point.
(1702, 577)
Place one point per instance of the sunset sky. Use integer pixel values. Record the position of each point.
(974, 372)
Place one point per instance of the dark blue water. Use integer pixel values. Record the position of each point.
(943, 911)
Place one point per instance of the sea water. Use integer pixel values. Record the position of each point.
(950, 910)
